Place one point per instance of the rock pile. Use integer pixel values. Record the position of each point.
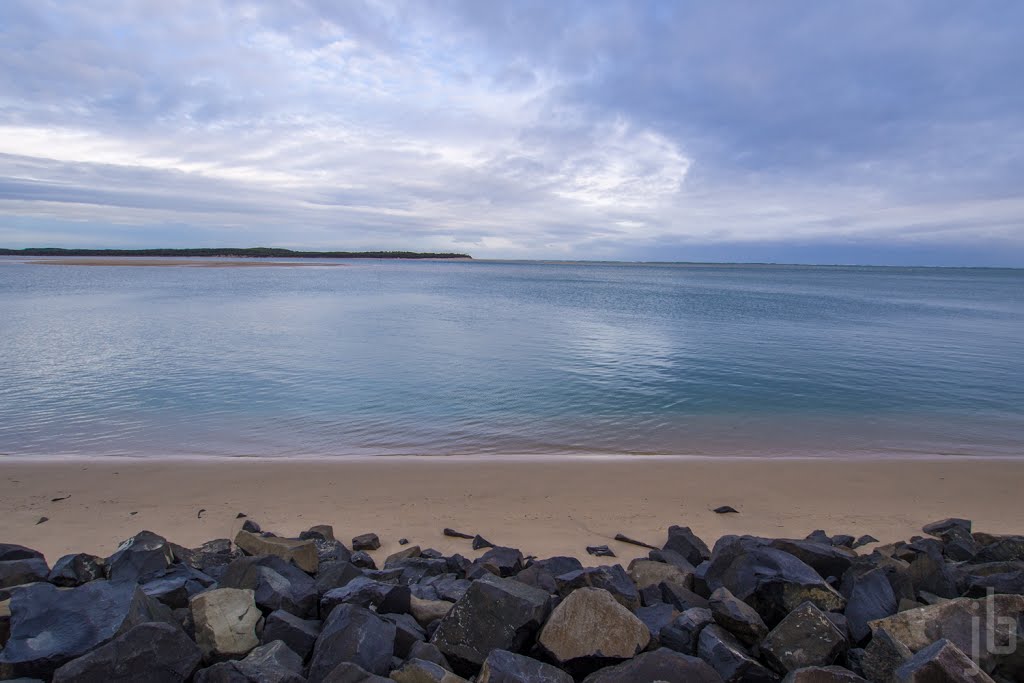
(948, 606)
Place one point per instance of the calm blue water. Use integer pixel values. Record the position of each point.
(386, 357)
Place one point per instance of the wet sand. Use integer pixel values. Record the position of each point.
(187, 263)
(542, 506)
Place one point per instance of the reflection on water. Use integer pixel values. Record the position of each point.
(439, 358)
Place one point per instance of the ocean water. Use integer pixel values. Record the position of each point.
(486, 358)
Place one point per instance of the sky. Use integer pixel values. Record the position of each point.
(887, 132)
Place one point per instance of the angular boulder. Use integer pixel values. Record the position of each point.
(502, 666)
(737, 617)
(426, 611)
(19, 572)
(823, 674)
(367, 592)
(298, 634)
(225, 621)
(872, 598)
(74, 570)
(683, 633)
(648, 573)
(276, 584)
(825, 558)
(302, 552)
(353, 634)
(542, 573)
(941, 662)
(729, 659)
(683, 541)
(501, 561)
(50, 627)
(420, 671)
(13, 551)
(883, 655)
(589, 629)
(144, 555)
(662, 665)
(612, 578)
(366, 542)
(177, 585)
(154, 652)
(806, 637)
(494, 614)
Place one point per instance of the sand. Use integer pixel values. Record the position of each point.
(542, 506)
(194, 263)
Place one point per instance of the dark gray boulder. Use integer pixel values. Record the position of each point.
(872, 598)
(273, 662)
(154, 652)
(495, 613)
(277, 584)
(1000, 548)
(366, 542)
(823, 674)
(655, 618)
(428, 652)
(683, 633)
(415, 569)
(210, 558)
(943, 526)
(353, 634)
(74, 570)
(501, 561)
(367, 592)
(347, 672)
(479, 543)
(335, 575)
(940, 662)
(13, 551)
(825, 558)
(50, 627)
(683, 541)
(541, 574)
(420, 671)
(727, 656)
(883, 655)
(502, 666)
(298, 634)
(362, 560)
(930, 574)
(177, 585)
(18, 572)
(737, 617)
(662, 665)
(408, 632)
(612, 578)
(681, 597)
(142, 556)
(806, 637)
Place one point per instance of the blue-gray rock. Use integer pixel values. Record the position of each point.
(177, 585)
(681, 597)
(737, 617)
(298, 634)
(271, 663)
(277, 584)
(366, 542)
(806, 637)
(142, 556)
(367, 592)
(612, 578)
(408, 632)
(727, 656)
(541, 574)
(353, 634)
(501, 561)
(50, 627)
(495, 613)
(823, 674)
(362, 560)
(662, 665)
(683, 541)
(154, 652)
(335, 574)
(941, 662)
(428, 652)
(655, 618)
(13, 551)
(683, 634)
(18, 572)
(872, 598)
(502, 666)
(74, 570)
(825, 558)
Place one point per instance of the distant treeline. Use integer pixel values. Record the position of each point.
(257, 252)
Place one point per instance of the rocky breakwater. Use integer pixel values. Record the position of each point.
(946, 606)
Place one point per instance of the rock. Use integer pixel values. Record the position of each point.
(251, 526)
(276, 584)
(426, 611)
(362, 560)
(958, 621)
(411, 551)
(687, 544)
(600, 551)
(366, 542)
(335, 575)
(825, 558)
(872, 598)
(428, 652)
(541, 574)
(408, 632)
(611, 578)
(726, 655)
(225, 621)
(683, 633)
(724, 509)
(1000, 548)
(501, 561)
(347, 672)
(737, 617)
(883, 655)
(494, 613)
(929, 573)
(420, 671)
(298, 634)
(367, 592)
(49, 627)
(941, 662)
(353, 634)
(479, 543)
(142, 556)
(806, 637)
(74, 570)
(823, 674)
(648, 573)
(18, 572)
(843, 540)
(177, 585)
(771, 581)
(661, 665)
(589, 628)
(273, 662)
(403, 541)
(456, 534)
(655, 618)
(502, 666)
(864, 540)
(210, 558)
(622, 538)
(416, 569)
(302, 552)
(681, 597)
(942, 526)
(321, 532)
(13, 551)
(154, 652)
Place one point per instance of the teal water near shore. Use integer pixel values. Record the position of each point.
(436, 358)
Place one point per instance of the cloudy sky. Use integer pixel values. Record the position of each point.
(831, 132)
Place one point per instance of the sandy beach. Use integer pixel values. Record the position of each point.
(543, 506)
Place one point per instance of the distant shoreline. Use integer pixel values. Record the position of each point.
(229, 252)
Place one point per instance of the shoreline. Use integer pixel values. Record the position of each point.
(545, 506)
